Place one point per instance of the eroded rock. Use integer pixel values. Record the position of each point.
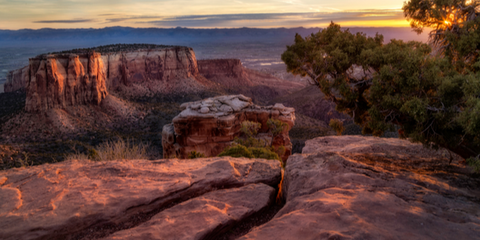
(354, 187)
(69, 198)
(210, 125)
(199, 217)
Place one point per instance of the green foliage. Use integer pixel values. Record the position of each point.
(337, 125)
(263, 153)
(276, 126)
(433, 98)
(251, 142)
(249, 128)
(195, 154)
(236, 151)
(474, 162)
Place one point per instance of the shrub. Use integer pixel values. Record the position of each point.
(263, 153)
(337, 125)
(195, 154)
(276, 126)
(236, 151)
(249, 128)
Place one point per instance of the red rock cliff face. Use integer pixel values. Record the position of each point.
(58, 81)
(225, 72)
(61, 81)
(160, 65)
(17, 79)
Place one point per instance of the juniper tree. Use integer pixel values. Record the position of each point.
(433, 97)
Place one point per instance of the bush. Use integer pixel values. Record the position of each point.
(337, 125)
(263, 153)
(250, 128)
(195, 154)
(276, 126)
(236, 151)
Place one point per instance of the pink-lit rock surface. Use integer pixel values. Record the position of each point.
(210, 125)
(199, 217)
(61, 81)
(76, 198)
(354, 187)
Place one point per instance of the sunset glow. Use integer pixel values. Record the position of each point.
(37, 14)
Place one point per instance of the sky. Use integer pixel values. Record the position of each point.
(36, 14)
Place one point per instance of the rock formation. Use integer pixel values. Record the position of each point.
(85, 200)
(66, 79)
(60, 81)
(210, 125)
(354, 187)
(17, 79)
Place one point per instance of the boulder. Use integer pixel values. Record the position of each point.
(83, 199)
(354, 187)
(210, 125)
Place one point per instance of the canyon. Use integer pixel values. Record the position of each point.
(86, 76)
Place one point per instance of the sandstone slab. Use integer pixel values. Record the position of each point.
(210, 125)
(73, 198)
(198, 218)
(354, 187)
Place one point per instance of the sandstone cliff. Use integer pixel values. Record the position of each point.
(210, 125)
(60, 81)
(72, 78)
(17, 79)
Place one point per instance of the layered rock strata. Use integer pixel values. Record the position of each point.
(354, 187)
(60, 81)
(210, 125)
(85, 200)
(68, 79)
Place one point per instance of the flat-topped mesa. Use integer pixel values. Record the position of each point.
(84, 76)
(210, 125)
(65, 80)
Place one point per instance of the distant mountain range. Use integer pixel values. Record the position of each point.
(186, 34)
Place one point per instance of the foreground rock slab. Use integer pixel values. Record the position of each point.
(354, 187)
(75, 198)
(199, 217)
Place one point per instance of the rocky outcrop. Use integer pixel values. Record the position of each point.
(210, 125)
(354, 187)
(17, 79)
(84, 200)
(69, 79)
(61, 81)
(223, 71)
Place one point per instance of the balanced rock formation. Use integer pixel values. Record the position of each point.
(190, 199)
(210, 125)
(354, 187)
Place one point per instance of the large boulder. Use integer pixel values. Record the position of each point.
(84, 200)
(354, 187)
(210, 125)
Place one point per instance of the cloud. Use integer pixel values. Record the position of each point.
(65, 21)
(126, 18)
(278, 19)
